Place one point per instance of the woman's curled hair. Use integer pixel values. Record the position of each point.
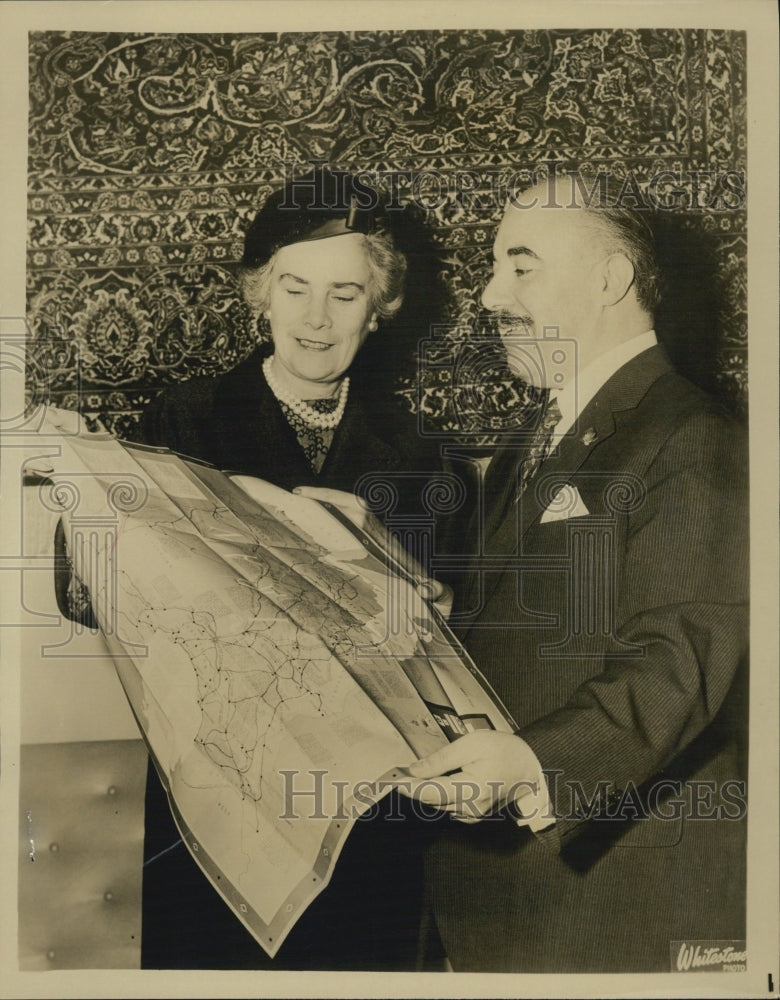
(387, 267)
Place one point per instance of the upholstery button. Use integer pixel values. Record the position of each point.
(51, 954)
(112, 789)
(54, 848)
(108, 896)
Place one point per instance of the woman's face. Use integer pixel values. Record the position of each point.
(320, 308)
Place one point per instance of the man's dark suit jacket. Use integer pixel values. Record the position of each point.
(617, 640)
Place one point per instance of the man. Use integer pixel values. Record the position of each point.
(607, 606)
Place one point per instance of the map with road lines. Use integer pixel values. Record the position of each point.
(250, 628)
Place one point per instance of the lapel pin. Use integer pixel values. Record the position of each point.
(589, 436)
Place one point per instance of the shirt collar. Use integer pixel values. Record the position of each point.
(575, 396)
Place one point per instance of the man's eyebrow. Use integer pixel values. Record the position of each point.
(522, 251)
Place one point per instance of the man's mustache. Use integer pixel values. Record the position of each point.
(508, 323)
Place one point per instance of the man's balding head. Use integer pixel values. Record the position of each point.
(616, 226)
(566, 269)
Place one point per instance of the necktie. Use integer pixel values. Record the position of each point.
(540, 446)
(501, 475)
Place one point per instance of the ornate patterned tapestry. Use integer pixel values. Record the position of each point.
(149, 154)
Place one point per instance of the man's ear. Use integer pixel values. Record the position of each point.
(617, 275)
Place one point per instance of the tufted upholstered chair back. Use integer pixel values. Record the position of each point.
(81, 784)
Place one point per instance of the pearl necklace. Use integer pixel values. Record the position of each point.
(324, 421)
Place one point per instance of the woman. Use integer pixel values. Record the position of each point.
(321, 268)
(323, 272)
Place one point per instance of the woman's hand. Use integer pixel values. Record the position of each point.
(69, 422)
(356, 509)
(63, 421)
(56, 420)
(353, 506)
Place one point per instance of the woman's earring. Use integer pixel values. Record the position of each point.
(373, 325)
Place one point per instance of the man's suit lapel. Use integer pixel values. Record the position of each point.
(595, 425)
(507, 521)
(561, 465)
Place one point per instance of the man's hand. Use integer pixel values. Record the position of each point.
(356, 509)
(491, 770)
(440, 595)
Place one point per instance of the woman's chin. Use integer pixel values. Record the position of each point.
(311, 380)
(318, 373)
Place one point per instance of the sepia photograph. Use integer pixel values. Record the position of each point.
(389, 484)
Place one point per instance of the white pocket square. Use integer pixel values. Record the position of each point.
(566, 503)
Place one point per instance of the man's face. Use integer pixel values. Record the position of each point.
(544, 290)
(320, 308)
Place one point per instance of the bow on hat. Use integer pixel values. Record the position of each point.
(320, 204)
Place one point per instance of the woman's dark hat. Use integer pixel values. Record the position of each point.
(315, 206)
